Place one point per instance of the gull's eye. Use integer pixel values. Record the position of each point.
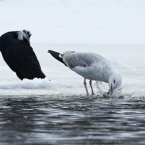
(114, 81)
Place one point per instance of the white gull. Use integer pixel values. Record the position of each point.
(90, 66)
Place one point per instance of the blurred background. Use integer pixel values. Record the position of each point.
(76, 21)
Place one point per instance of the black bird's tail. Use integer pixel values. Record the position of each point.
(56, 55)
(30, 75)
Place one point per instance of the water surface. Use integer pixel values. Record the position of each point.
(47, 120)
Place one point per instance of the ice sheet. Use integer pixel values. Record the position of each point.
(128, 60)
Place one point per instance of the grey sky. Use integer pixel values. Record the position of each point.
(76, 21)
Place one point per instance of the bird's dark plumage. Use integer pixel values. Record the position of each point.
(19, 55)
(56, 55)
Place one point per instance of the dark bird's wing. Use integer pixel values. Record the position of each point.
(56, 55)
(21, 58)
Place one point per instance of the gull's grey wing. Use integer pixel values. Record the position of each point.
(82, 59)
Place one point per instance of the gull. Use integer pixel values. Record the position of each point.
(90, 66)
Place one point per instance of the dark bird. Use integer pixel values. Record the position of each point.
(19, 55)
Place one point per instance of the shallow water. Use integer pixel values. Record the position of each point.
(78, 120)
(56, 111)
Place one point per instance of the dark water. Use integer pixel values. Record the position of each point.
(36, 120)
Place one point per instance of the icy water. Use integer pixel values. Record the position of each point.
(78, 120)
(56, 111)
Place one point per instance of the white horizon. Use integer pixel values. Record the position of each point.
(76, 21)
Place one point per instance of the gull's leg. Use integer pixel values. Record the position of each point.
(92, 88)
(85, 84)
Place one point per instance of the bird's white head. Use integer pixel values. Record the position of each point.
(24, 35)
(115, 81)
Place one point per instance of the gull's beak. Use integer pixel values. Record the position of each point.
(110, 92)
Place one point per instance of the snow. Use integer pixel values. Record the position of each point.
(113, 29)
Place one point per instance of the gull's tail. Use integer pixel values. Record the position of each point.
(56, 55)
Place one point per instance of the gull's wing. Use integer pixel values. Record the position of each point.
(73, 59)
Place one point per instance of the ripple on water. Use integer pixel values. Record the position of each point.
(75, 120)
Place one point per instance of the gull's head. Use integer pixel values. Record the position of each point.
(115, 81)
